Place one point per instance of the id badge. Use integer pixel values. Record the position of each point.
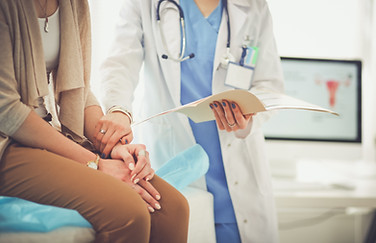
(240, 75)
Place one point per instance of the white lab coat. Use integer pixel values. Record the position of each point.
(138, 47)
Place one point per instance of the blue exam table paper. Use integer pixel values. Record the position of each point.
(185, 168)
(21, 215)
(18, 215)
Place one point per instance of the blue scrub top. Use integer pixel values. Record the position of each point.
(196, 83)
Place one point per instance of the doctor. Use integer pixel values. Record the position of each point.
(183, 50)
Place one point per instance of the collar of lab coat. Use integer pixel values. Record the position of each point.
(171, 69)
(242, 3)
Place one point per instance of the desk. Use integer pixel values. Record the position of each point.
(363, 195)
(330, 185)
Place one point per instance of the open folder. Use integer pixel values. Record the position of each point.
(249, 102)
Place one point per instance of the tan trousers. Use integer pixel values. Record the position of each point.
(116, 212)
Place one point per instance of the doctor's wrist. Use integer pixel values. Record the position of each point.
(121, 109)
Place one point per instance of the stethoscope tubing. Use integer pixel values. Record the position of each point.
(181, 57)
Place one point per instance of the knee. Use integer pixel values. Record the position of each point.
(127, 225)
(137, 216)
(183, 205)
(178, 207)
(125, 215)
(171, 224)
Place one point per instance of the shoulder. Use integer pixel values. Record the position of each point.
(14, 4)
(253, 6)
(258, 4)
(7, 6)
(78, 5)
(79, 8)
(13, 11)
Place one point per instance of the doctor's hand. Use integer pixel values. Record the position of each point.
(136, 158)
(119, 170)
(229, 117)
(111, 129)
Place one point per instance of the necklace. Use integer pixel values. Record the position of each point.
(45, 15)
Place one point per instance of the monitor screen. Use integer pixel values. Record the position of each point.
(332, 84)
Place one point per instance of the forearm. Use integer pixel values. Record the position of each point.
(37, 133)
(92, 116)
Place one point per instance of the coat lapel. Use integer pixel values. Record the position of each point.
(238, 17)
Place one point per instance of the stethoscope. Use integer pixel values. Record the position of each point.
(225, 59)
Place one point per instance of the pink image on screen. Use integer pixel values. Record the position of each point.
(332, 87)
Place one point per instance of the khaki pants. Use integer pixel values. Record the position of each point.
(116, 212)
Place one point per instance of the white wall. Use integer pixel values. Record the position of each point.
(104, 16)
(339, 29)
(320, 28)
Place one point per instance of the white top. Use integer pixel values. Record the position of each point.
(51, 48)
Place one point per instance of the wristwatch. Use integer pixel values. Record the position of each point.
(93, 163)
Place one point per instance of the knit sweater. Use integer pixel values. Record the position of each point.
(23, 71)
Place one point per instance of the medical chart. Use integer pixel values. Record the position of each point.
(249, 102)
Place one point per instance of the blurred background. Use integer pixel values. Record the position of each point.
(325, 188)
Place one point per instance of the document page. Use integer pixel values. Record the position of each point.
(276, 101)
(249, 102)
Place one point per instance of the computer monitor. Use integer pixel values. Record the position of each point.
(332, 84)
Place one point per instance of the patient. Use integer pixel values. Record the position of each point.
(47, 127)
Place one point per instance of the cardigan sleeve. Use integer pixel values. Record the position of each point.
(91, 100)
(12, 111)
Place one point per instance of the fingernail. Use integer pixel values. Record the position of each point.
(215, 104)
(103, 156)
(158, 197)
(233, 105)
(147, 179)
(224, 103)
(158, 206)
(133, 177)
(151, 209)
(131, 166)
(126, 141)
(211, 106)
(136, 181)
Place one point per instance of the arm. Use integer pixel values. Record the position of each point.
(35, 132)
(267, 75)
(109, 130)
(50, 139)
(120, 76)
(138, 162)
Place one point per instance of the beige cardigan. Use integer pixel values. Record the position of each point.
(23, 71)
